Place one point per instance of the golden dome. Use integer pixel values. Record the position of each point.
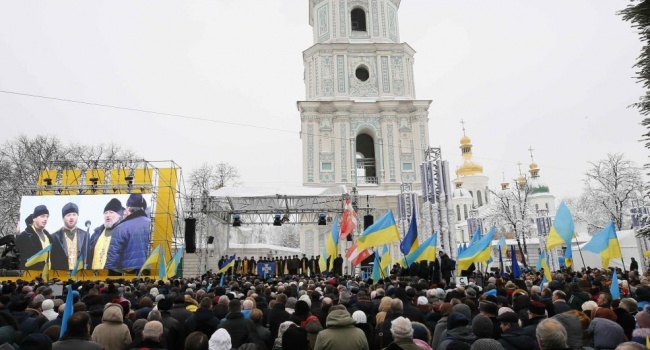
(532, 166)
(465, 141)
(469, 168)
(521, 181)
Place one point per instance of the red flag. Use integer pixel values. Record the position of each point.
(350, 219)
(356, 256)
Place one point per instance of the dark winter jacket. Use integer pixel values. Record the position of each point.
(173, 331)
(241, 330)
(130, 242)
(77, 343)
(626, 320)
(531, 329)
(203, 321)
(277, 315)
(369, 331)
(577, 299)
(462, 333)
(26, 325)
(515, 339)
(28, 244)
(59, 257)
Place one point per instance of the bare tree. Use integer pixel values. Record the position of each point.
(213, 177)
(511, 209)
(611, 184)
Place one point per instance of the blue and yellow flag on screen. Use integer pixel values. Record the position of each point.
(480, 251)
(605, 243)
(410, 242)
(382, 232)
(562, 230)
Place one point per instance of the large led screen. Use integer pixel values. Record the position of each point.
(95, 231)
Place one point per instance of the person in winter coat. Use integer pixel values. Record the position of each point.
(76, 334)
(241, 330)
(605, 333)
(361, 322)
(457, 330)
(220, 340)
(152, 334)
(263, 334)
(203, 319)
(277, 314)
(625, 315)
(130, 240)
(341, 333)
(402, 332)
(513, 337)
(441, 326)
(112, 333)
(643, 322)
(26, 325)
(573, 327)
(536, 314)
(421, 336)
(578, 294)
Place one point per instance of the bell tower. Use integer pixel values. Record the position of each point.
(361, 124)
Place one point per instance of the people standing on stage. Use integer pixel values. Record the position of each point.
(304, 265)
(70, 242)
(312, 266)
(130, 243)
(252, 266)
(338, 265)
(102, 235)
(238, 265)
(34, 238)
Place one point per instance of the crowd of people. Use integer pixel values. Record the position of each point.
(574, 310)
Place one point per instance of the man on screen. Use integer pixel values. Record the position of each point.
(102, 235)
(130, 242)
(70, 242)
(34, 238)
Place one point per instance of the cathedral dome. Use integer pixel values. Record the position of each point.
(465, 141)
(469, 168)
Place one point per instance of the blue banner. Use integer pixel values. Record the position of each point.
(266, 269)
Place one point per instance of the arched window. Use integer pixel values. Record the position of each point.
(465, 210)
(457, 212)
(358, 18)
(479, 198)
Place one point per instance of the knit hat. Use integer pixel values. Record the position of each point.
(401, 328)
(420, 331)
(643, 318)
(462, 309)
(29, 220)
(40, 210)
(536, 308)
(136, 201)
(154, 292)
(36, 341)
(482, 326)
(220, 340)
(486, 344)
(359, 317)
(423, 301)
(47, 304)
(113, 205)
(69, 208)
(589, 305)
(455, 320)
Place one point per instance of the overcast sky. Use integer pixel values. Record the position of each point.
(555, 75)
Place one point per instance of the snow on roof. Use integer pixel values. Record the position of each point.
(240, 192)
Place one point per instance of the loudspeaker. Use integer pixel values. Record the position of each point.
(190, 235)
(210, 239)
(368, 220)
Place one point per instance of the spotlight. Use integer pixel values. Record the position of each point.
(285, 218)
(236, 221)
(276, 220)
(322, 221)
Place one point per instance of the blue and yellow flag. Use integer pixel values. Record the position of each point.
(68, 310)
(605, 243)
(332, 242)
(568, 256)
(153, 258)
(480, 251)
(162, 268)
(172, 266)
(614, 289)
(78, 266)
(386, 260)
(230, 262)
(562, 230)
(322, 261)
(376, 268)
(383, 231)
(42, 256)
(410, 242)
(542, 263)
(426, 251)
(502, 244)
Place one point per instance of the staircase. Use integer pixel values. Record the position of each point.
(192, 265)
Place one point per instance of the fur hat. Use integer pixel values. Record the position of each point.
(359, 317)
(536, 308)
(113, 205)
(69, 208)
(401, 328)
(136, 201)
(489, 307)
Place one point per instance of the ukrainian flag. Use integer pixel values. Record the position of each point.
(568, 256)
(376, 268)
(480, 251)
(386, 260)
(476, 236)
(502, 244)
(172, 266)
(543, 263)
(562, 230)
(381, 232)
(162, 269)
(427, 251)
(153, 258)
(78, 266)
(410, 242)
(605, 243)
(227, 264)
(332, 242)
(41, 256)
(322, 261)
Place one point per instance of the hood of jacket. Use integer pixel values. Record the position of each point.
(339, 318)
(113, 313)
(463, 334)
